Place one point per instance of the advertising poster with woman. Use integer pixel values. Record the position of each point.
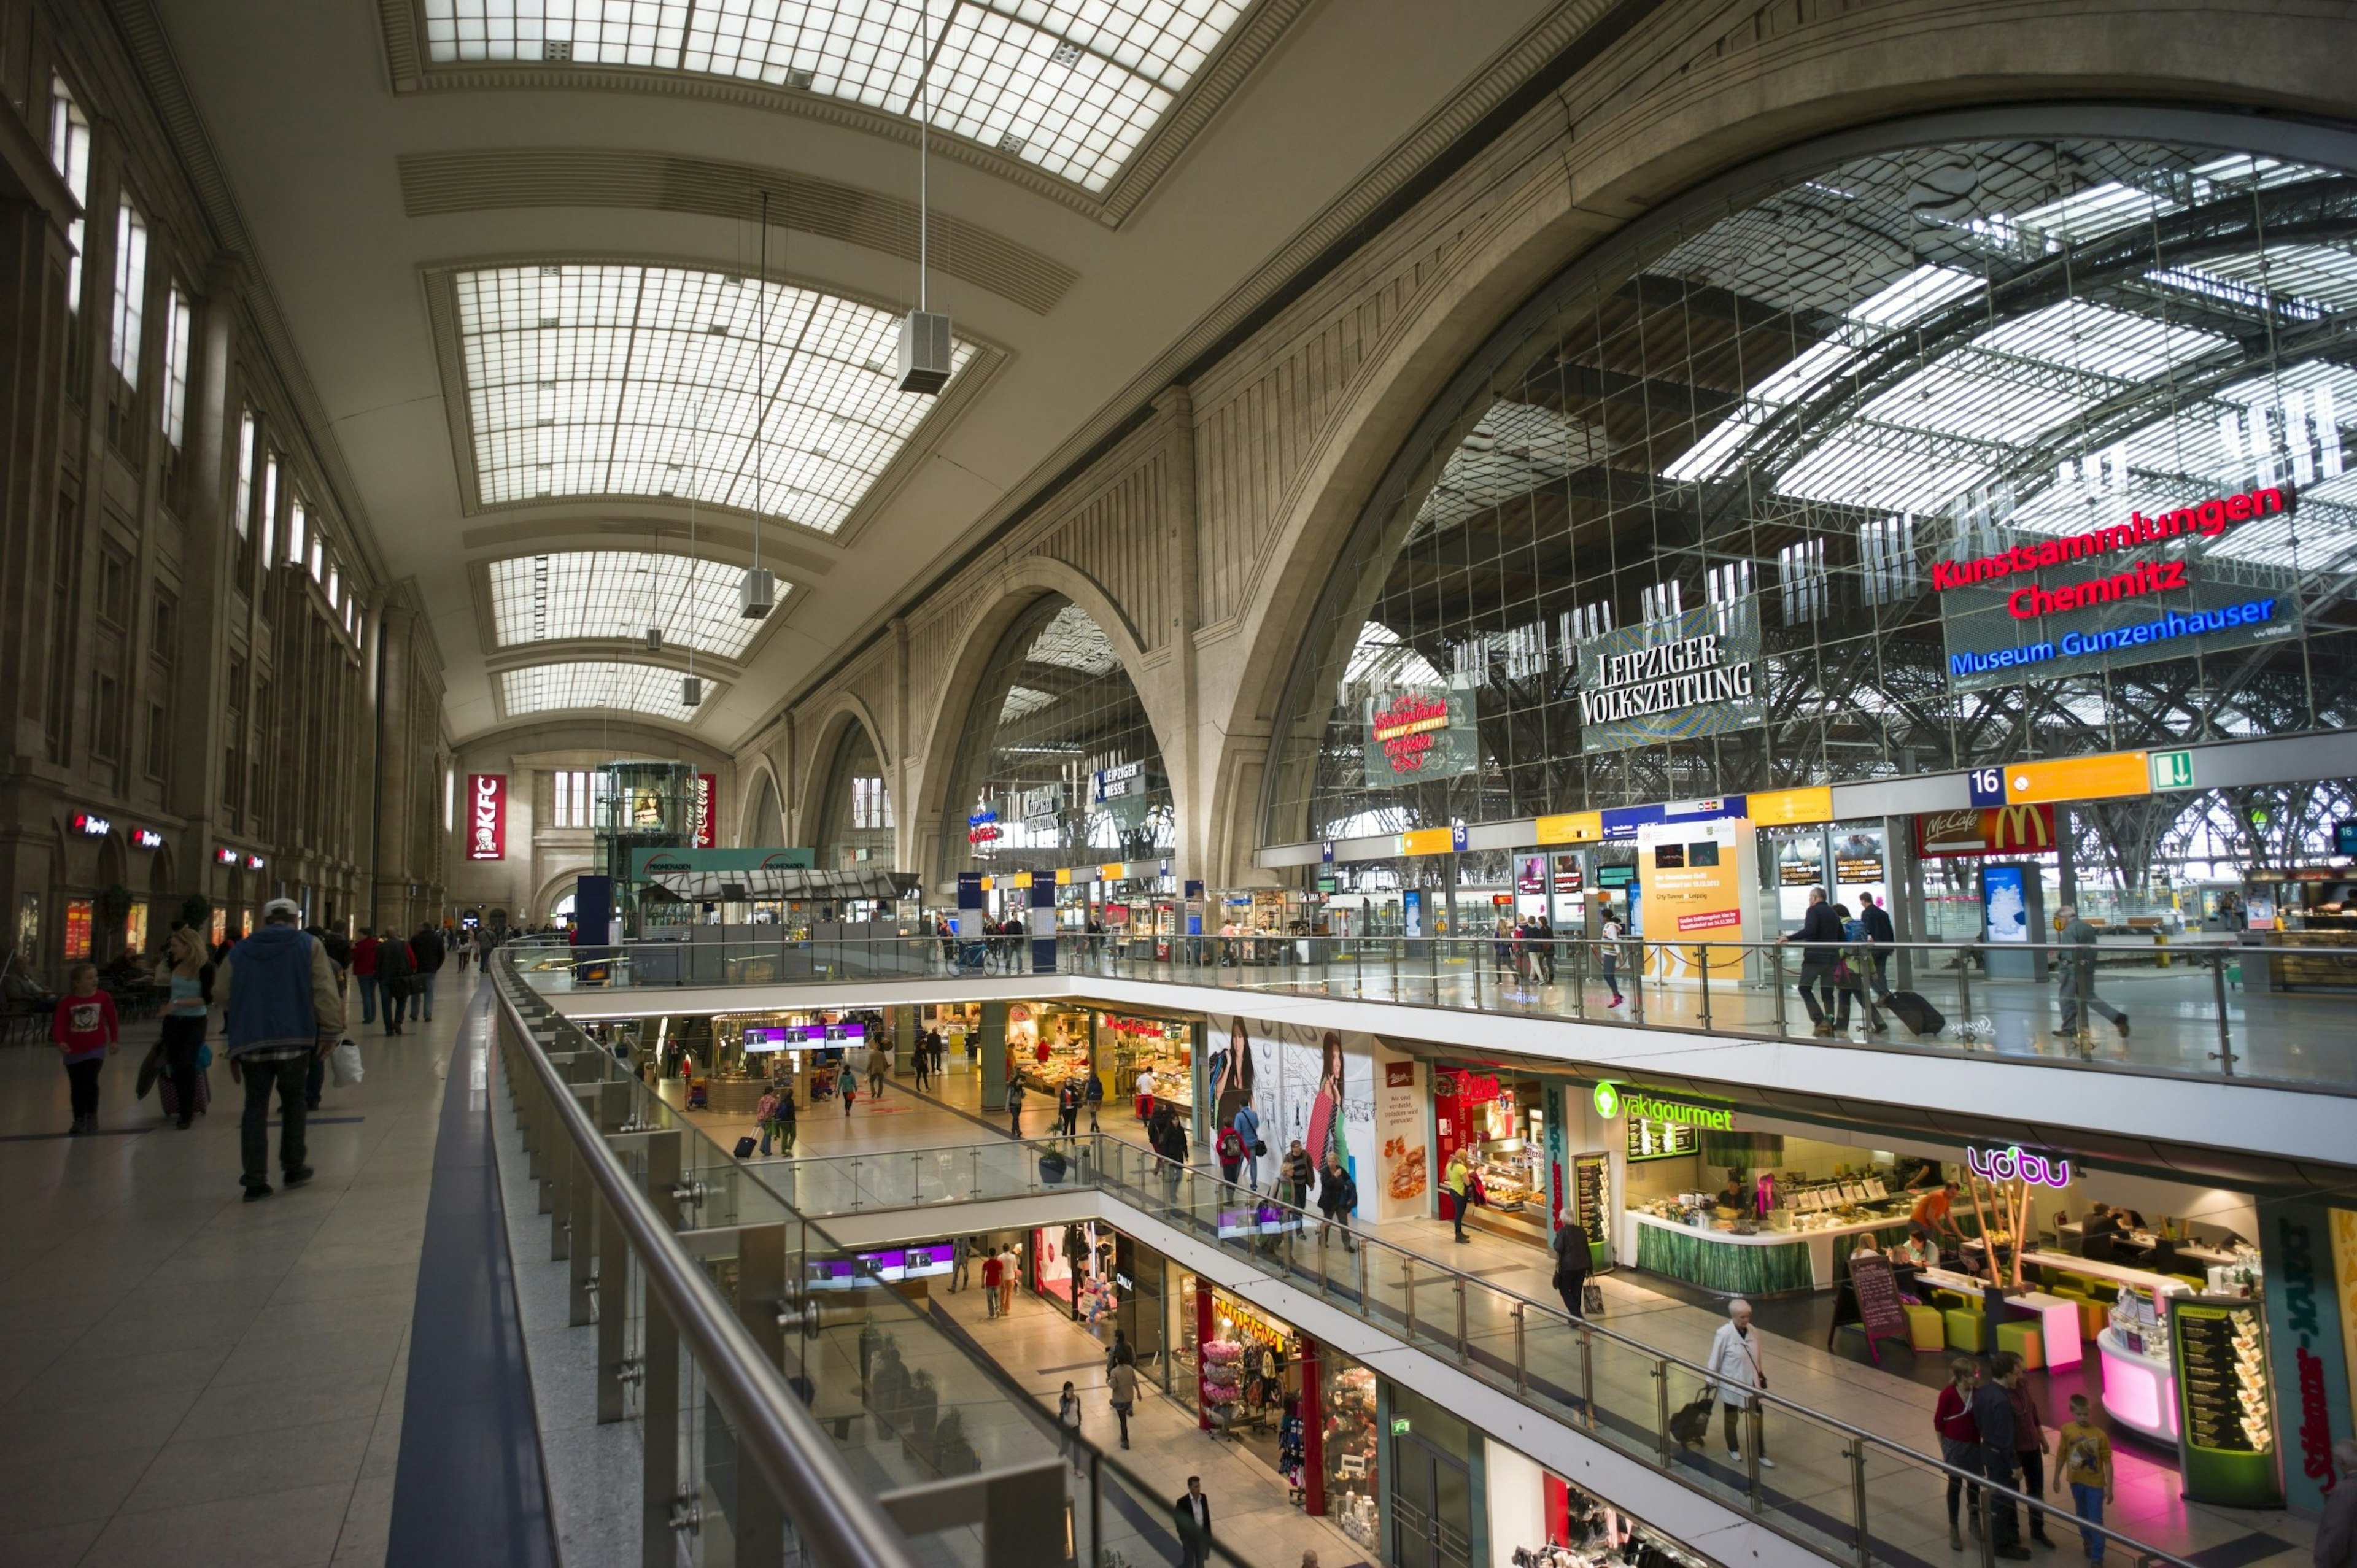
(1317, 1085)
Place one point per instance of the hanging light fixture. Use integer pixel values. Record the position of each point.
(924, 337)
(757, 596)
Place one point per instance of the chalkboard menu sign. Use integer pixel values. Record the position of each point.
(1590, 1177)
(1869, 1298)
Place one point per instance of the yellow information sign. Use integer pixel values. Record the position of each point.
(1791, 807)
(1063, 876)
(2079, 779)
(1572, 827)
(1022, 879)
(1110, 870)
(1427, 841)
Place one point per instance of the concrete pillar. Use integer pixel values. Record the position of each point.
(904, 1038)
(1184, 750)
(990, 1055)
(396, 770)
(209, 566)
(1903, 875)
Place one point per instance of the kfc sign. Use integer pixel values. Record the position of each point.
(487, 816)
(707, 811)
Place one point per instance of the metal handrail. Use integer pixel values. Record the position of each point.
(838, 1519)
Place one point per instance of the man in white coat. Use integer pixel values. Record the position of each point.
(1739, 1367)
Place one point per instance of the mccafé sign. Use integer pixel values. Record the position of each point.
(487, 816)
(2210, 519)
(1994, 829)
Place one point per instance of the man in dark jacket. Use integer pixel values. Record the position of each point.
(1820, 937)
(395, 971)
(1880, 935)
(1192, 1516)
(1992, 1413)
(1337, 1199)
(1572, 1264)
(277, 992)
(426, 951)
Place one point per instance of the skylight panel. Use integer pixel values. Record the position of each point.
(633, 381)
(1022, 700)
(1072, 87)
(1073, 640)
(595, 683)
(618, 594)
(1914, 296)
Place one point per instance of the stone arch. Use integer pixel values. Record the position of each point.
(750, 829)
(842, 710)
(1006, 595)
(550, 891)
(1715, 136)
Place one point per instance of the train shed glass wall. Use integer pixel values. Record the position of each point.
(1963, 454)
(1059, 766)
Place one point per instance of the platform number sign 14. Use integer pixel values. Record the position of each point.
(1988, 786)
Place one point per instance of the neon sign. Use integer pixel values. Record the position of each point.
(91, 826)
(2208, 519)
(2006, 1163)
(487, 833)
(1406, 729)
(147, 838)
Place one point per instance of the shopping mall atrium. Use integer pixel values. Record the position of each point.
(1578, 778)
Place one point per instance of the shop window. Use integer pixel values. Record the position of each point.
(79, 916)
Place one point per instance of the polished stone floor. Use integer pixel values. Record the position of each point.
(187, 1379)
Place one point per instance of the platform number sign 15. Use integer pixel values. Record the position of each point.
(1987, 785)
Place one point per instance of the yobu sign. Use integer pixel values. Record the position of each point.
(487, 816)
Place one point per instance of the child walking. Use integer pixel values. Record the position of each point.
(86, 1032)
(2087, 1464)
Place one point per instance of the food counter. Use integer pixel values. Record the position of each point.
(1799, 1256)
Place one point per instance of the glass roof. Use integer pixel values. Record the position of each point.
(596, 683)
(636, 381)
(620, 592)
(1072, 640)
(1071, 86)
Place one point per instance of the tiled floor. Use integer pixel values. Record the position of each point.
(187, 1379)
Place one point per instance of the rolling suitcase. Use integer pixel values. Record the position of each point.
(1690, 1425)
(1920, 1017)
(744, 1148)
(168, 1092)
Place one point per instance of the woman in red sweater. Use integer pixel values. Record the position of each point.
(1960, 1441)
(86, 1034)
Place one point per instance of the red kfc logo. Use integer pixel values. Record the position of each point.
(487, 816)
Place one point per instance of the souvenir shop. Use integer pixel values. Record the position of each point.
(1047, 1045)
(1539, 1519)
(1073, 1269)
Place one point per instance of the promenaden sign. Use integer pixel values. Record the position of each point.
(1640, 685)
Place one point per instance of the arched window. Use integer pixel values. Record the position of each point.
(855, 825)
(1059, 766)
(1913, 461)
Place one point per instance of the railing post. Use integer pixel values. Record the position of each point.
(582, 1214)
(1464, 1345)
(1984, 1503)
(1662, 1442)
(1407, 1296)
(1703, 949)
(1865, 1549)
(659, 1436)
(1752, 1416)
(1588, 1377)
(1963, 985)
(2225, 1052)
(760, 1297)
(613, 1316)
(1521, 1365)
(1366, 1301)
(1776, 984)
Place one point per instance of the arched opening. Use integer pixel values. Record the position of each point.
(1058, 765)
(855, 817)
(1720, 512)
(767, 825)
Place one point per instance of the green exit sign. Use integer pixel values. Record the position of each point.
(2171, 769)
(1399, 1426)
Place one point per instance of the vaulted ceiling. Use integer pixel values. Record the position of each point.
(520, 249)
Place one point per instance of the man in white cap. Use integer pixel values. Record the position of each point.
(278, 992)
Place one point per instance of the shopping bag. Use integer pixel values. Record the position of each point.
(345, 1062)
(149, 1067)
(1591, 1300)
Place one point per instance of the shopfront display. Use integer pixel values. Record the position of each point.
(1583, 1530)
(1247, 1375)
(1046, 1047)
(1350, 1447)
(1501, 1125)
(1130, 1046)
(1074, 1268)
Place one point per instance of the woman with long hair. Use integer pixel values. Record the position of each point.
(1326, 1135)
(1233, 1084)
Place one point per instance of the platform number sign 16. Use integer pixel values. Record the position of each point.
(1987, 785)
